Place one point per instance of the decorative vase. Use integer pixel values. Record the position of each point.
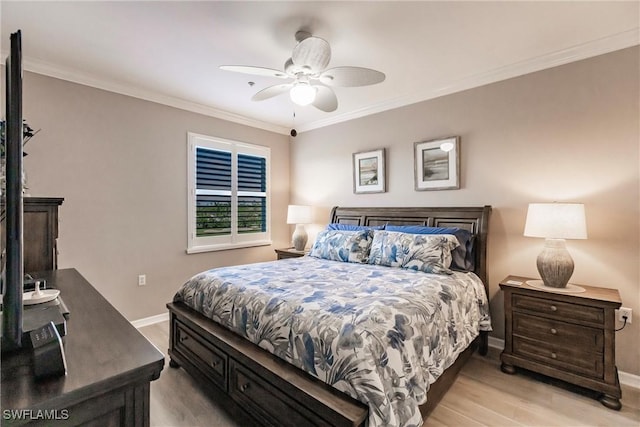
(554, 263)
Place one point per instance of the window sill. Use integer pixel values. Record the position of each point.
(227, 246)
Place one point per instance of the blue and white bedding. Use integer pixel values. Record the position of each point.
(379, 334)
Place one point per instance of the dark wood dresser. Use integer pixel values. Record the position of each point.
(109, 367)
(40, 233)
(568, 336)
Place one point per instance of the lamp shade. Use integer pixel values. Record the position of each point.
(556, 221)
(297, 214)
(302, 93)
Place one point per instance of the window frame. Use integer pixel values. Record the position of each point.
(234, 240)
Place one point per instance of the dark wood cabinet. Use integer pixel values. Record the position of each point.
(568, 336)
(40, 233)
(109, 367)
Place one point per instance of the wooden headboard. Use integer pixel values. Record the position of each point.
(474, 219)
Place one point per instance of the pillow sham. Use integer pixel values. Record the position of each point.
(463, 257)
(353, 227)
(430, 253)
(343, 245)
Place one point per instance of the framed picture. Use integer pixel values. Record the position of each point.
(368, 172)
(437, 164)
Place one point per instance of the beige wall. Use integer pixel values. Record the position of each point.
(120, 163)
(565, 134)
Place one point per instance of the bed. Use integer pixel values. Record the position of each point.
(271, 373)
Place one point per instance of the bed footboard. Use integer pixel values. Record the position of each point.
(267, 389)
(259, 389)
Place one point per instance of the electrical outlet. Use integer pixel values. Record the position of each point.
(142, 280)
(624, 311)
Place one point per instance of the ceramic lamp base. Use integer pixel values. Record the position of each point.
(299, 237)
(555, 265)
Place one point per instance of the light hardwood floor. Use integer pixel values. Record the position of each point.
(481, 396)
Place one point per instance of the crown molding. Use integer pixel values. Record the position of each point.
(50, 70)
(575, 53)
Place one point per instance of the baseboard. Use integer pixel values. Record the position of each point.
(629, 379)
(496, 343)
(625, 378)
(147, 321)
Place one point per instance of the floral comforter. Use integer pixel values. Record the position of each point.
(380, 334)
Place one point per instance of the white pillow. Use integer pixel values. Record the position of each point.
(342, 245)
(430, 253)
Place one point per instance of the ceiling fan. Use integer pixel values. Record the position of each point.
(312, 83)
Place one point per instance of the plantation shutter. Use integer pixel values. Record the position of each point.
(213, 192)
(228, 202)
(252, 196)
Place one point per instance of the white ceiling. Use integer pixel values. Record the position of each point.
(169, 52)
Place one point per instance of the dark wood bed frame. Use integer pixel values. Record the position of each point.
(258, 388)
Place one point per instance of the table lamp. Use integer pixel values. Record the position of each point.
(555, 222)
(299, 215)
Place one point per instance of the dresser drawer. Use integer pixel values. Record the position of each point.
(559, 310)
(553, 331)
(262, 400)
(208, 359)
(560, 356)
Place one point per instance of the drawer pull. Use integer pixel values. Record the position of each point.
(554, 331)
(244, 387)
(554, 356)
(553, 308)
(183, 338)
(215, 363)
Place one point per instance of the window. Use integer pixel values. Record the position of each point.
(228, 194)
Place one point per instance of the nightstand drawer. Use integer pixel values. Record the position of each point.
(559, 333)
(290, 253)
(559, 310)
(559, 356)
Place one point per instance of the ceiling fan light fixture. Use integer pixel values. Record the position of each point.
(302, 93)
(308, 64)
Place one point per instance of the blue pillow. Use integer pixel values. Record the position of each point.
(353, 227)
(462, 258)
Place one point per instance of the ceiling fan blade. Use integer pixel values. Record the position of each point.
(351, 76)
(313, 53)
(256, 71)
(271, 91)
(325, 99)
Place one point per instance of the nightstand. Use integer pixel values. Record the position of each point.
(568, 336)
(290, 253)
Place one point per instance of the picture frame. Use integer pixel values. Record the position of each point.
(437, 164)
(369, 172)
